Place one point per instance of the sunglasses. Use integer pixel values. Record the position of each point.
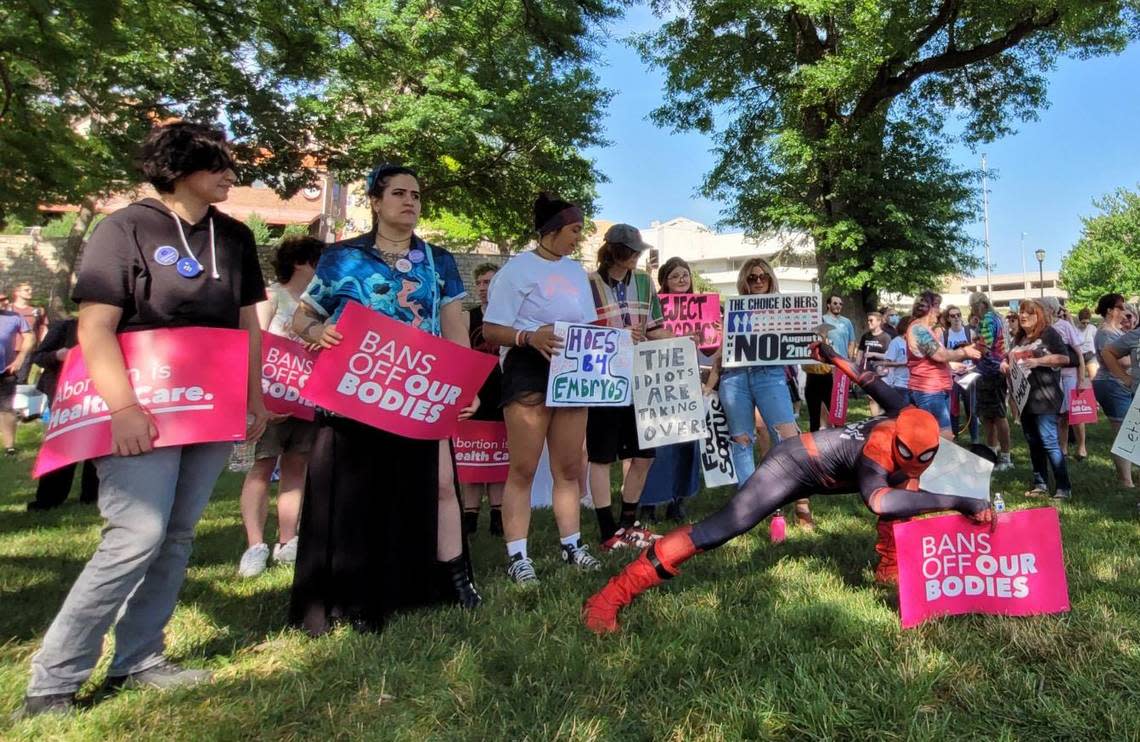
(757, 277)
(955, 316)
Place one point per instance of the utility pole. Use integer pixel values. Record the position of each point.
(986, 221)
(1024, 270)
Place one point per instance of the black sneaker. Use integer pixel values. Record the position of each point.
(579, 556)
(521, 570)
(465, 593)
(55, 703)
(163, 677)
(10, 452)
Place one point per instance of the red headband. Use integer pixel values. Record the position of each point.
(569, 215)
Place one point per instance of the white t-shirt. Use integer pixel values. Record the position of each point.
(284, 307)
(899, 376)
(1088, 337)
(1073, 338)
(529, 292)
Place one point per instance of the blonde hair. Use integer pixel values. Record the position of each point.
(742, 277)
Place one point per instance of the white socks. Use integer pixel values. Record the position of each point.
(572, 539)
(517, 547)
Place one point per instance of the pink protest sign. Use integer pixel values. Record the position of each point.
(394, 377)
(840, 391)
(687, 315)
(285, 367)
(185, 378)
(480, 449)
(950, 565)
(1082, 406)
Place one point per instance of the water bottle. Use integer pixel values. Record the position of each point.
(999, 504)
(242, 457)
(777, 528)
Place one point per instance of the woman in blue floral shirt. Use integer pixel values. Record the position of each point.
(381, 525)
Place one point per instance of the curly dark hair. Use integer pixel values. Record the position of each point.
(1107, 303)
(173, 151)
(294, 251)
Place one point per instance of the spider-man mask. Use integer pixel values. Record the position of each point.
(916, 441)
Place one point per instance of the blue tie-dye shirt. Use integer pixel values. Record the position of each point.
(352, 270)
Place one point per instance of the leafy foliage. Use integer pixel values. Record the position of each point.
(1107, 256)
(831, 117)
(259, 227)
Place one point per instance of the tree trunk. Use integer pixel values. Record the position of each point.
(68, 258)
(504, 246)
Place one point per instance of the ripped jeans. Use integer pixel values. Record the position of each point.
(743, 390)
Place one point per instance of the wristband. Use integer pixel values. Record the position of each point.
(526, 337)
(518, 339)
(127, 407)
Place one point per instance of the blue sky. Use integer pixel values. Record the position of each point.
(1085, 144)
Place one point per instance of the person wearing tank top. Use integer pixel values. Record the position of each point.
(928, 361)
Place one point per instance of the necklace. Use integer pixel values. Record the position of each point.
(541, 248)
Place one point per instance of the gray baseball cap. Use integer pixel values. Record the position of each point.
(625, 234)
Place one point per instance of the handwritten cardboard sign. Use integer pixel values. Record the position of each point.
(480, 450)
(1127, 443)
(693, 315)
(716, 450)
(1019, 385)
(285, 368)
(667, 393)
(770, 329)
(950, 565)
(192, 381)
(593, 369)
(395, 377)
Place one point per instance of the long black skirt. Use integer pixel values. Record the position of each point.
(367, 540)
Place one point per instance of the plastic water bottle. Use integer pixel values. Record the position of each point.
(777, 528)
(999, 503)
(242, 457)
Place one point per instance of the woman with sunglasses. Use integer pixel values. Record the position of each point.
(381, 521)
(764, 388)
(1113, 392)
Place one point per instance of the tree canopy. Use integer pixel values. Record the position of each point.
(835, 117)
(1106, 258)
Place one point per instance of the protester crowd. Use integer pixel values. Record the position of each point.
(375, 522)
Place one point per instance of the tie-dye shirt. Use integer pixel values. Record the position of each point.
(352, 270)
(992, 332)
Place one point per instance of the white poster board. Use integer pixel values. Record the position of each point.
(716, 449)
(592, 369)
(956, 471)
(1127, 443)
(770, 329)
(667, 393)
(1019, 385)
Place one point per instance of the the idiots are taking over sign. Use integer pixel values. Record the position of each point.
(770, 329)
(667, 393)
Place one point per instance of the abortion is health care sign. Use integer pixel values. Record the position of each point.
(185, 378)
(667, 396)
(770, 329)
(593, 369)
(396, 378)
(689, 315)
(480, 449)
(285, 367)
(950, 565)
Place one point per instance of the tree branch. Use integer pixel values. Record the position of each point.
(951, 58)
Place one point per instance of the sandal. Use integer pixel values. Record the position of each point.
(804, 519)
(1037, 492)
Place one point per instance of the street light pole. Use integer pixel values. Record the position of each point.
(1040, 255)
(986, 216)
(1024, 270)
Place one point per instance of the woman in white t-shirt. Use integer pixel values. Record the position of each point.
(534, 290)
(287, 439)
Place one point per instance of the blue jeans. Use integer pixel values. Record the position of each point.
(1044, 450)
(1113, 398)
(151, 504)
(743, 390)
(936, 403)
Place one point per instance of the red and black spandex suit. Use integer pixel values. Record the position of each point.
(880, 458)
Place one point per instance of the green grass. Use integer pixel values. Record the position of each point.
(753, 641)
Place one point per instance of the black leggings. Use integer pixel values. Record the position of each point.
(817, 394)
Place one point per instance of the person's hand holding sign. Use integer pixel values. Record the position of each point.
(545, 341)
(469, 410)
(132, 431)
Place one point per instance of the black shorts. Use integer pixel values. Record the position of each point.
(991, 397)
(611, 435)
(525, 374)
(7, 391)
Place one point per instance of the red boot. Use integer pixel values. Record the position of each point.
(653, 566)
(887, 573)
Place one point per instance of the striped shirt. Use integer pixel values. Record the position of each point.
(631, 302)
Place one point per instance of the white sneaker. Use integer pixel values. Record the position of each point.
(285, 553)
(253, 561)
(1003, 466)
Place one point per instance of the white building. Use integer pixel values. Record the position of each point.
(718, 257)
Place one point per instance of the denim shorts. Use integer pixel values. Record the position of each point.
(1113, 398)
(936, 403)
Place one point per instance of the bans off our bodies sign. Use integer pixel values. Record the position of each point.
(593, 368)
(396, 378)
(667, 393)
(770, 329)
(950, 565)
(183, 377)
(285, 368)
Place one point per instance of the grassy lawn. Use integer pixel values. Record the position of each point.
(752, 641)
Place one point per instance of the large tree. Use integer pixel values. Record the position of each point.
(831, 116)
(1106, 258)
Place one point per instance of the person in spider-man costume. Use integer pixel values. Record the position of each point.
(881, 458)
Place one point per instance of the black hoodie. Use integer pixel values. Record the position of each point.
(130, 261)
